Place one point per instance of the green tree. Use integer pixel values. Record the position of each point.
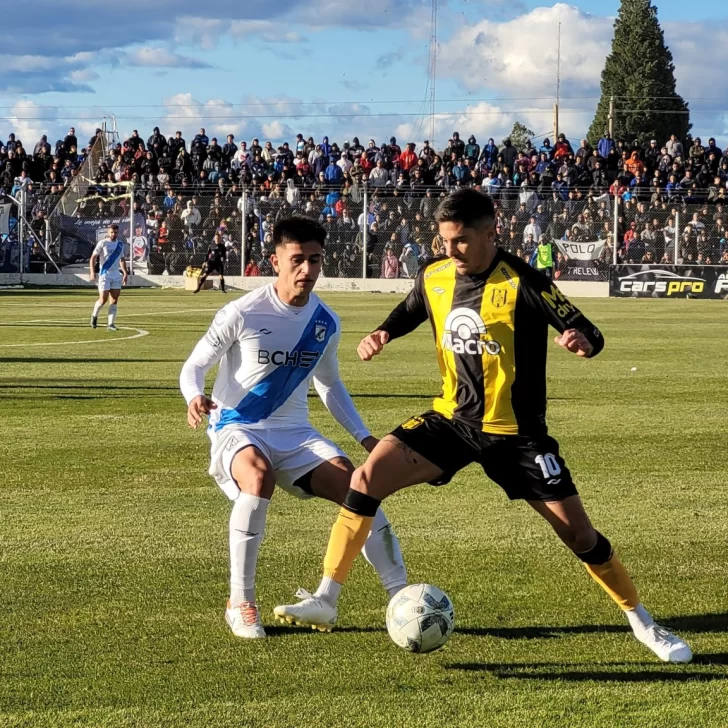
(640, 74)
(519, 135)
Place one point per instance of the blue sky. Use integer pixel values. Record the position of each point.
(271, 68)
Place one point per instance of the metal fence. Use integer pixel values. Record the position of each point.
(373, 232)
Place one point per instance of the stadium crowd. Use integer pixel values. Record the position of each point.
(185, 192)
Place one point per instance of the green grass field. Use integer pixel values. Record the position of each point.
(113, 543)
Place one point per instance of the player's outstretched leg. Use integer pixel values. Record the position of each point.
(572, 525)
(254, 476)
(319, 610)
(390, 467)
(201, 281)
(110, 325)
(102, 299)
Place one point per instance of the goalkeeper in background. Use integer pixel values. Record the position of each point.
(214, 263)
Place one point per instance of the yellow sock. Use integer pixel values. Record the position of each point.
(346, 541)
(614, 579)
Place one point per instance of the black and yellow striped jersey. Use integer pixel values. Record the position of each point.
(490, 334)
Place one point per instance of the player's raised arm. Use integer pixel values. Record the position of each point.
(221, 335)
(577, 333)
(336, 397)
(404, 319)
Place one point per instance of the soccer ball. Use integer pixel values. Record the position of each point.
(420, 618)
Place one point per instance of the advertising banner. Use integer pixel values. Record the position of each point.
(668, 281)
(581, 251)
(79, 236)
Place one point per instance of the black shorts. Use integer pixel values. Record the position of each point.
(528, 468)
(214, 265)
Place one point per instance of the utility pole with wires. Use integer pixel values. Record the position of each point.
(558, 81)
(432, 71)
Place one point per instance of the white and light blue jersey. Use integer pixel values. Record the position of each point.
(109, 253)
(269, 352)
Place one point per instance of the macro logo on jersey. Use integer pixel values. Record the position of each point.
(466, 333)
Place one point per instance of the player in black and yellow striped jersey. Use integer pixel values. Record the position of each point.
(489, 313)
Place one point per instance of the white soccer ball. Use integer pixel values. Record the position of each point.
(420, 618)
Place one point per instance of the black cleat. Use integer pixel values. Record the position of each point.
(111, 327)
(94, 322)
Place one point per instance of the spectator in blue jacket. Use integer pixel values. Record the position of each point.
(489, 155)
(546, 148)
(605, 145)
(333, 173)
(201, 139)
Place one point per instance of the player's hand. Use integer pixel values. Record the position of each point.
(92, 276)
(124, 279)
(369, 443)
(199, 407)
(575, 342)
(372, 345)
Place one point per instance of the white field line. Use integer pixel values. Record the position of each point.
(126, 316)
(138, 335)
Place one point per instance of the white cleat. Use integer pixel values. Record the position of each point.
(311, 611)
(244, 621)
(667, 646)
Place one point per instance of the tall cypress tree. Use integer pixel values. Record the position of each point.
(640, 73)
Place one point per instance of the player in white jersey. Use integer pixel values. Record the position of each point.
(112, 274)
(271, 344)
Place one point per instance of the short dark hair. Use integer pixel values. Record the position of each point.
(466, 206)
(298, 229)
(113, 226)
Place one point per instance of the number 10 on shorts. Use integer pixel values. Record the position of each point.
(549, 465)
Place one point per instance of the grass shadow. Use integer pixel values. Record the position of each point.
(704, 623)
(277, 630)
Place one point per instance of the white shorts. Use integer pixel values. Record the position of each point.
(109, 282)
(292, 451)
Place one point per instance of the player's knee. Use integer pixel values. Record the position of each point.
(597, 551)
(361, 480)
(253, 478)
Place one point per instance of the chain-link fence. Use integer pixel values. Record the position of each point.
(664, 231)
(377, 232)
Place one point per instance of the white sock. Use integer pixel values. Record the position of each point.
(247, 523)
(97, 307)
(328, 590)
(112, 314)
(639, 618)
(382, 551)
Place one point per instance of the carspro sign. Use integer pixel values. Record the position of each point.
(668, 281)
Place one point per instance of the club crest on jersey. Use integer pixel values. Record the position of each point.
(466, 333)
(499, 297)
(319, 332)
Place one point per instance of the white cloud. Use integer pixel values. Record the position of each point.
(187, 114)
(520, 55)
(154, 57)
(518, 58)
(24, 121)
(83, 75)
